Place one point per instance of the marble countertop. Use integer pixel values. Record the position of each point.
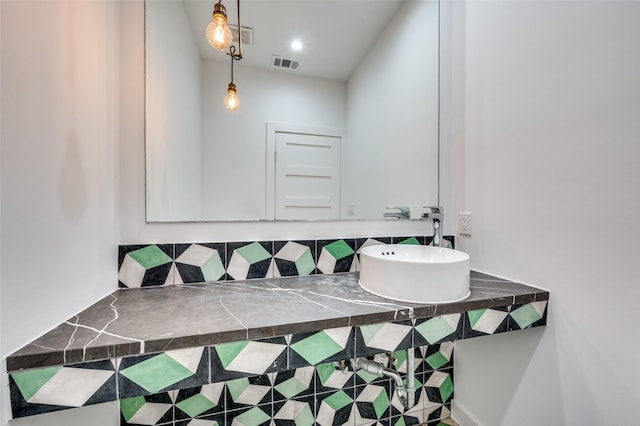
(137, 321)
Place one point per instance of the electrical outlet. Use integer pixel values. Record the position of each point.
(464, 223)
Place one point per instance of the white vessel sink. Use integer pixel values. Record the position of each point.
(416, 274)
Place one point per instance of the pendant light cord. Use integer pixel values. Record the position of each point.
(232, 50)
(239, 56)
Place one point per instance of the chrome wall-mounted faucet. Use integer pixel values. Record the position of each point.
(406, 392)
(402, 214)
(436, 215)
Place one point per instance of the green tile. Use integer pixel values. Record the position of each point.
(213, 269)
(339, 249)
(370, 331)
(475, 315)
(436, 360)
(157, 373)
(237, 386)
(316, 348)
(130, 406)
(338, 400)
(253, 417)
(305, 417)
(253, 253)
(525, 316)
(195, 405)
(305, 264)
(29, 382)
(325, 371)
(412, 240)
(400, 422)
(434, 329)
(417, 384)
(290, 388)
(229, 351)
(381, 403)
(399, 358)
(446, 389)
(366, 376)
(150, 256)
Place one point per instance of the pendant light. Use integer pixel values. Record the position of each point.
(231, 101)
(218, 33)
(220, 36)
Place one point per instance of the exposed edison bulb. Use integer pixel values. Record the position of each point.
(231, 101)
(218, 33)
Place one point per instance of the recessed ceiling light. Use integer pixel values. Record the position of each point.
(296, 45)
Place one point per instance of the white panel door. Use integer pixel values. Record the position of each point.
(307, 181)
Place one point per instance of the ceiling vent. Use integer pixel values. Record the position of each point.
(247, 34)
(280, 62)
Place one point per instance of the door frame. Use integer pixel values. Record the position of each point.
(270, 178)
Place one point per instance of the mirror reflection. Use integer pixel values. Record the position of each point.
(351, 129)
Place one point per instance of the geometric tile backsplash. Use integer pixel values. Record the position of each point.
(289, 380)
(168, 264)
(318, 394)
(296, 379)
(300, 379)
(54, 388)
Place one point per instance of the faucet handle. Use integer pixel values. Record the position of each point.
(435, 212)
(434, 209)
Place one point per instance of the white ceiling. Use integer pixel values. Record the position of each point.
(336, 34)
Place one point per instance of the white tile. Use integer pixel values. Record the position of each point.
(188, 358)
(256, 357)
(150, 413)
(71, 387)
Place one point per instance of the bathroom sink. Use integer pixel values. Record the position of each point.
(413, 273)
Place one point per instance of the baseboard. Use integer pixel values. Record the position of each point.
(461, 416)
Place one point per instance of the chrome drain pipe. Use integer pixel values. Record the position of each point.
(411, 378)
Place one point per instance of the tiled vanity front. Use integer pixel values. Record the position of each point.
(260, 352)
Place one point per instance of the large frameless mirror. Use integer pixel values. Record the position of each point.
(340, 129)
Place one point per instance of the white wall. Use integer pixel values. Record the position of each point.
(547, 111)
(403, 64)
(173, 113)
(58, 172)
(234, 142)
